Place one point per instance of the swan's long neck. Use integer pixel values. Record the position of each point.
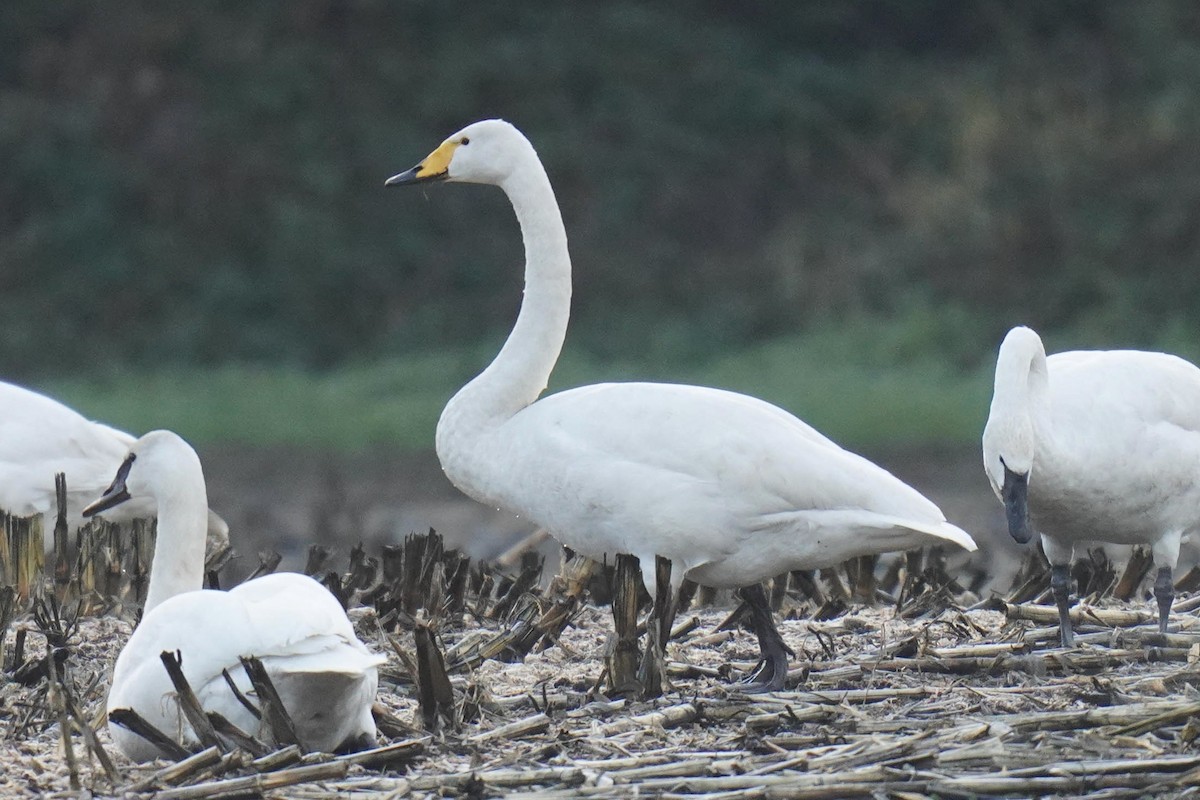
(178, 564)
(1021, 400)
(520, 372)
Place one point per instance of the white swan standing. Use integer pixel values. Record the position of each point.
(40, 437)
(325, 676)
(1095, 445)
(732, 489)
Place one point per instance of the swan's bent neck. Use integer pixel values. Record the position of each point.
(521, 370)
(178, 564)
(1021, 399)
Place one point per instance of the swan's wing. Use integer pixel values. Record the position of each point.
(754, 454)
(40, 437)
(327, 653)
(275, 616)
(286, 609)
(1150, 388)
(1127, 437)
(698, 467)
(280, 620)
(34, 425)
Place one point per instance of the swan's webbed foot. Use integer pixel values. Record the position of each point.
(770, 674)
(1164, 592)
(1060, 585)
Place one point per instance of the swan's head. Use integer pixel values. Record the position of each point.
(158, 465)
(482, 152)
(1009, 438)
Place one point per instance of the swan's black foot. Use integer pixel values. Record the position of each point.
(1060, 586)
(1164, 592)
(770, 674)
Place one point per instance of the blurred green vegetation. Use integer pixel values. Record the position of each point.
(848, 198)
(868, 383)
(848, 385)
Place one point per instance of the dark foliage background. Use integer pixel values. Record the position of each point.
(195, 183)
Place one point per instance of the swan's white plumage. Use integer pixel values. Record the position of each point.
(290, 622)
(40, 437)
(325, 676)
(1110, 440)
(705, 476)
(730, 488)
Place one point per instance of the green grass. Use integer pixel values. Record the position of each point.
(861, 385)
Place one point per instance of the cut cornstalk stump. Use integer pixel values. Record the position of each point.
(62, 559)
(239, 738)
(133, 722)
(1136, 570)
(863, 578)
(279, 722)
(268, 562)
(318, 556)
(188, 703)
(435, 696)
(141, 554)
(623, 657)
(652, 670)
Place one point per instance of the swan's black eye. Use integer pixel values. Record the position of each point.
(464, 140)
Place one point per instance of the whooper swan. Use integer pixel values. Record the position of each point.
(730, 488)
(1095, 445)
(325, 676)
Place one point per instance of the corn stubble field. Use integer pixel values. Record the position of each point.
(906, 684)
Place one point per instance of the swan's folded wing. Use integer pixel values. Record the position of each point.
(324, 654)
(725, 460)
(286, 607)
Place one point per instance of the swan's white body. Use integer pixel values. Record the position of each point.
(732, 489)
(1109, 440)
(39, 438)
(325, 676)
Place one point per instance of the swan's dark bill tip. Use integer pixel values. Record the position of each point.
(106, 502)
(412, 176)
(409, 176)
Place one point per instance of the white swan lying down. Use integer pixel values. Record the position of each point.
(732, 489)
(325, 676)
(40, 437)
(1095, 445)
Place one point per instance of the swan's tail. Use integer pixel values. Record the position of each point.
(880, 533)
(942, 530)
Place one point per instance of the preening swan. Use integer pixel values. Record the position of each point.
(40, 437)
(325, 676)
(1095, 445)
(730, 488)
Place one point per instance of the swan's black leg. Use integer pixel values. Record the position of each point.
(1164, 591)
(771, 672)
(1060, 585)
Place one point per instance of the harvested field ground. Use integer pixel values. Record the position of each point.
(912, 698)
